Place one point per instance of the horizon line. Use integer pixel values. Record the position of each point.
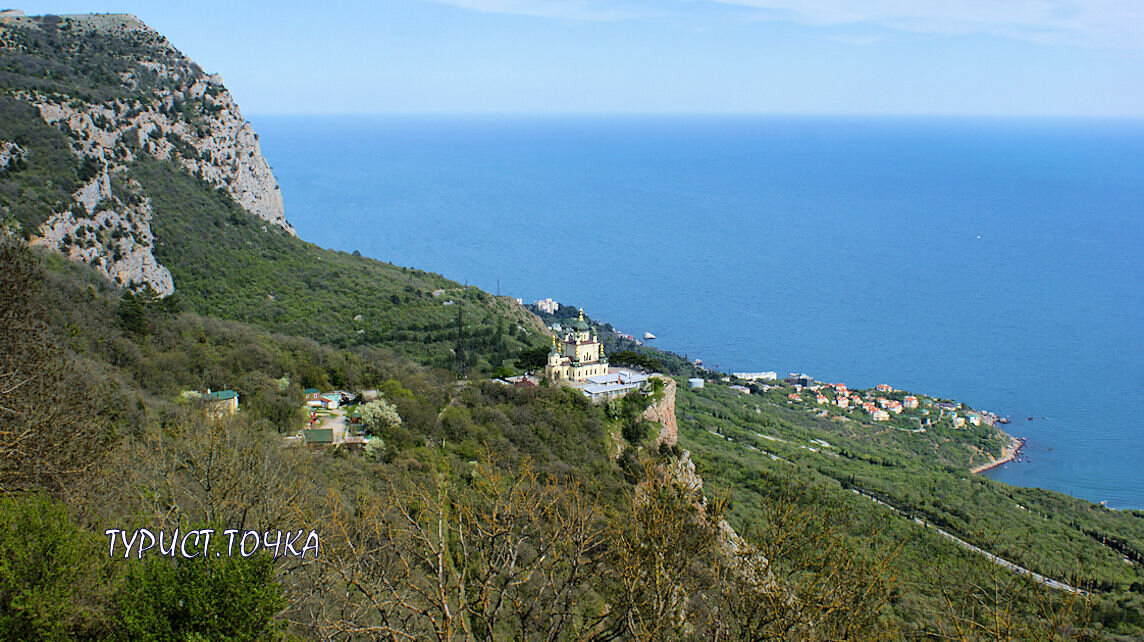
(713, 114)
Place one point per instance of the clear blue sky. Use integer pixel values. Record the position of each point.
(957, 57)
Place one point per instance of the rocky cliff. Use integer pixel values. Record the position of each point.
(136, 95)
(662, 411)
(745, 559)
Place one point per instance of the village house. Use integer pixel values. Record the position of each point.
(218, 404)
(798, 379)
(910, 402)
(884, 388)
(880, 415)
(842, 401)
(355, 443)
(318, 437)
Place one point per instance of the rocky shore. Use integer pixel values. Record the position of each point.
(1008, 454)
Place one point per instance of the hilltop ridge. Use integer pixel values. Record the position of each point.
(117, 91)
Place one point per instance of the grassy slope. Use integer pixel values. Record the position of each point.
(1049, 532)
(227, 263)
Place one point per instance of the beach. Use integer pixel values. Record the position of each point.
(1008, 454)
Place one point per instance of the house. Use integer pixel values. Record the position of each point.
(883, 388)
(910, 402)
(842, 401)
(794, 397)
(318, 437)
(798, 379)
(521, 381)
(221, 403)
(330, 401)
(314, 398)
(880, 415)
(742, 389)
(355, 443)
(974, 419)
(821, 399)
(958, 422)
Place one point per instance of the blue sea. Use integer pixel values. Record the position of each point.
(997, 262)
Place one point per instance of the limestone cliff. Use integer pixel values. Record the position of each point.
(662, 411)
(745, 559)
(141, 96)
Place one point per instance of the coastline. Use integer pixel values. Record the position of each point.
(1008, 454)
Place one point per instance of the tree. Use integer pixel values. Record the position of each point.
(208, 598)
(379, 416)
(493, 555)
(51, 572)
(56, 421)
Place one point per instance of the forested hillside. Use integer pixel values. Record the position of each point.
(487, 511)
(753, 445)
(160, 269)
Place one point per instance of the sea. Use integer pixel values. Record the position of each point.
(999, 262)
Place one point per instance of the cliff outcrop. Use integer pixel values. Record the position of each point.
(748, 563)
(662, 411)
(139, 96)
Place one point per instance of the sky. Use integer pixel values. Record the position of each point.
(1043, 58)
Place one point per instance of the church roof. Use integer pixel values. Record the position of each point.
(579, 324)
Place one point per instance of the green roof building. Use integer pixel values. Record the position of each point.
(318, 436)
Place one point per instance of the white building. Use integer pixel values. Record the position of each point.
(617, 382)
(548, 305)
(755, 376)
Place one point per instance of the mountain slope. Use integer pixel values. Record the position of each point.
(118, 151)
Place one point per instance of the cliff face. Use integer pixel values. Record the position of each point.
(139, 96)
(663, 412)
